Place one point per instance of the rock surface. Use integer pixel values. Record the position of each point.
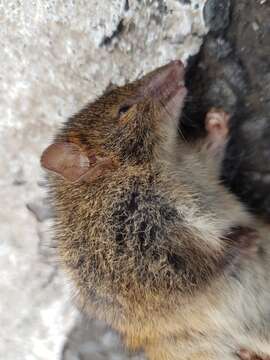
(56, 56)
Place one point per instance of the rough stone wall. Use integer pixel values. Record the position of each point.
(56, 56)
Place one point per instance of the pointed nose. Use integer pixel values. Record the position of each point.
(165, 81)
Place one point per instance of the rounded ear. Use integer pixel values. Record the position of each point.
(69, 161)
(217, 127)
(102, 167)
(65, 159)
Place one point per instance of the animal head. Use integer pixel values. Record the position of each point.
(139, 218)
(127, 125)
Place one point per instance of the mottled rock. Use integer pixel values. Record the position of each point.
(19, 177)
(221, 94)
(91, 339)
(40, 209)
(184, 1)
(248, 174)
(217, 14)
(251, 132)
(219, 47)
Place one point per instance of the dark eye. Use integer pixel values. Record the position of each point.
(124, 109)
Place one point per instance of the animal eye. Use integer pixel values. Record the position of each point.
(124, 109)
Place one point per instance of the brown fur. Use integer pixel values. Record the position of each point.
(147, 241)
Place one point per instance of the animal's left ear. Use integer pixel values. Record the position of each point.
(71, 162)
(217, 127)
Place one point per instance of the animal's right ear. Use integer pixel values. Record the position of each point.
(72, 163)
(67, 160)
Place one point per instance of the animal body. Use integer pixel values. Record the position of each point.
(154, 243)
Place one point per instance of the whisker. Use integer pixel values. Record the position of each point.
(171, 117)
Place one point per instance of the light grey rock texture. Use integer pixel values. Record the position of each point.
(56, 56)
